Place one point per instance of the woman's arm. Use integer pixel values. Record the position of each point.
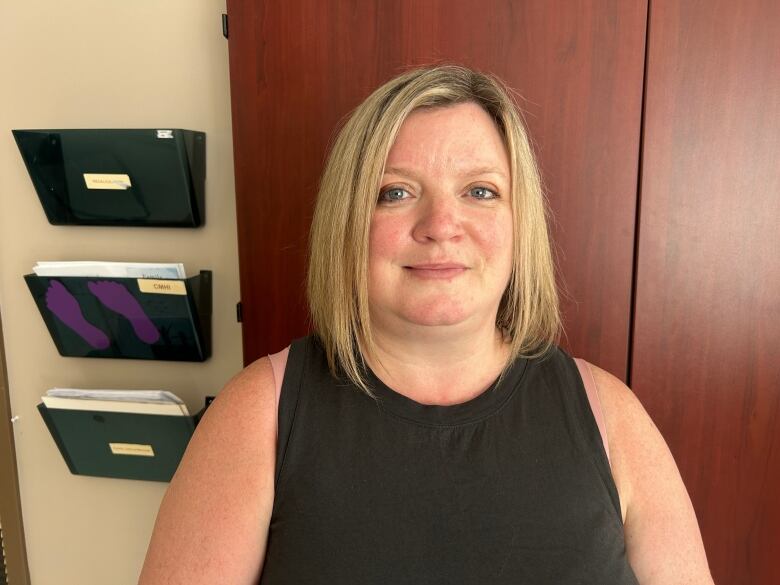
(663, 540)
(213, 523)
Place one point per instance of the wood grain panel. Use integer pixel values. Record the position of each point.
(297, 68)
(707, 331)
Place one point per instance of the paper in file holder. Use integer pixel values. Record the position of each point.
(135, 318)
(146, 177)
(119, 444)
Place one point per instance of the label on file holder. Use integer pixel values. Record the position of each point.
(162, 287)
(131, 449)
(107, 181)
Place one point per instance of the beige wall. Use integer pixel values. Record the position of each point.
(93, 64)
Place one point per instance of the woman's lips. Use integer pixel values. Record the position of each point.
(436, 271)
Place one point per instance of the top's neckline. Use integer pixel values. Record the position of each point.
(477, 408)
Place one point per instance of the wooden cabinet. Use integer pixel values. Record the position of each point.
(706, 331)
(657, 133)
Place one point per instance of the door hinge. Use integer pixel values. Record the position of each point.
(239, 312)
(224, 25)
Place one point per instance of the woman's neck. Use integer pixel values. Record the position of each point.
(439, 365)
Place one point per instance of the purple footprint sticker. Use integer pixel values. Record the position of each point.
(65, 306)
(116, 297)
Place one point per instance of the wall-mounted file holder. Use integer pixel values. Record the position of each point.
(134, 318)
(119, 444)
(148, 178)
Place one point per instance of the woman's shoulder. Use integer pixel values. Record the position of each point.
(241, 416)
(660, 523)
(245, 402)
(248, 388)
(213, 522)
(629, 429)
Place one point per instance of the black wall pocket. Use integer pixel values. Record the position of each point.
(137, 318)
(145, 178)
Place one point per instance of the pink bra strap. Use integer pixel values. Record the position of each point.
(278, 365)
(593, 397)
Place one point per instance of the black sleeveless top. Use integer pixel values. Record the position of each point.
(512, 486)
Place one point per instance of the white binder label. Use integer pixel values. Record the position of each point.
(131, 449)
(113, 182)
(162, 287)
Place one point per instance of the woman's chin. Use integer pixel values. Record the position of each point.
(437, 317)
(433, 311)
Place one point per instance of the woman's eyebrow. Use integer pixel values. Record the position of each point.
(399, 171)
(486, 170)
(469, 172)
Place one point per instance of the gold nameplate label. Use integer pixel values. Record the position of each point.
(162, 287)
(102, 181)
(131, 449)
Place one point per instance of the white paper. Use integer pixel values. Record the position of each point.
(132, 401)
(154, 396)
(110, 269)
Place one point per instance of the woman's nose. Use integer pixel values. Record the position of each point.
(438, 220)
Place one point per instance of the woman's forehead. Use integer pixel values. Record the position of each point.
(462, 139)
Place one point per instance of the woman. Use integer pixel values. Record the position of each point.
(430, 431)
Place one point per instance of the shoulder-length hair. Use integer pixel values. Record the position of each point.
(337, 283)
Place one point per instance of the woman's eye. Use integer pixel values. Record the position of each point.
(393, 194)
(482, 193)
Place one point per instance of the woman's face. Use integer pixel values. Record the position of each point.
(440, 248)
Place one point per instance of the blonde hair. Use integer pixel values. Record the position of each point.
(337, 283)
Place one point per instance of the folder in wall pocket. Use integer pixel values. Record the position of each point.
(125, 445)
